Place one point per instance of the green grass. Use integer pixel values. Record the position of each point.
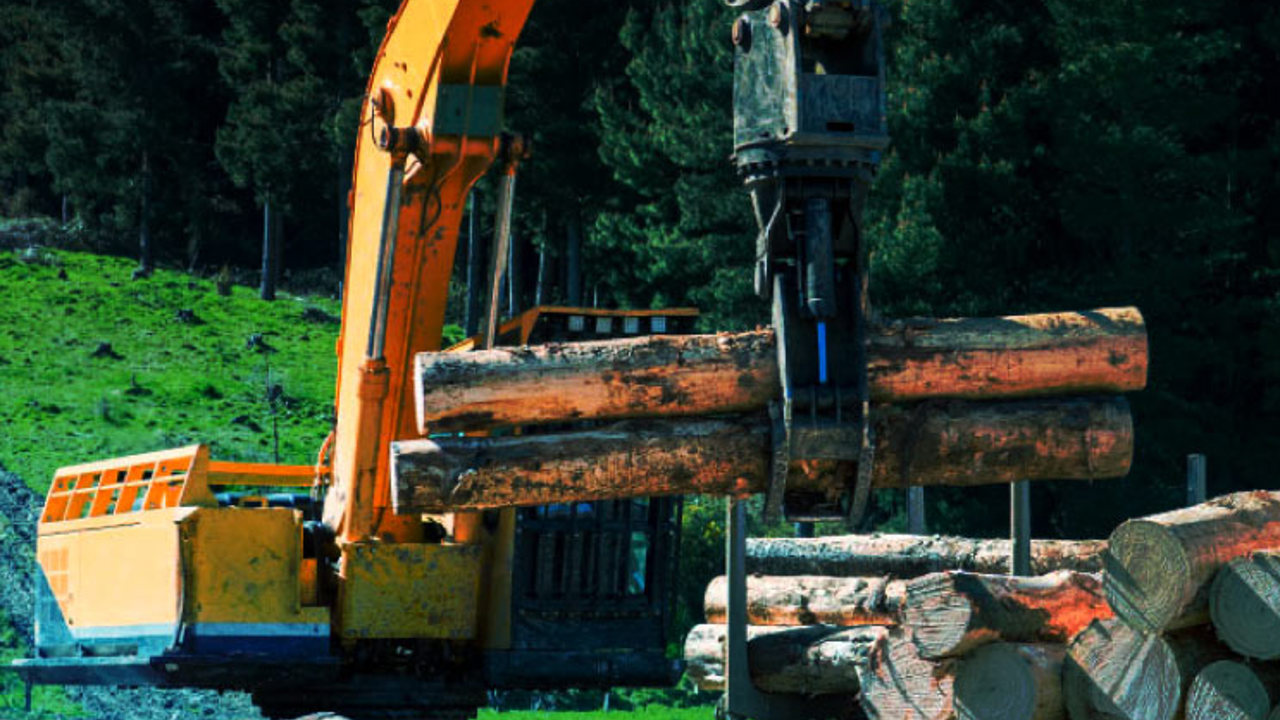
(174, 384)
(46, 701)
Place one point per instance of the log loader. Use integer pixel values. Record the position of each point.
(381, 587)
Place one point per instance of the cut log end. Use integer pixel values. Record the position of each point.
(1159, 567)
(1004, 681)
(898, 683)
(1227, 690)
(1244, 603)
(1116, 673)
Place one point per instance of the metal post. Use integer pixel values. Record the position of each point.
(915, 511)
(1197, 479)
(804, 529)
(1020, 527)
(498, 259)
(741, 698)
(26, 681)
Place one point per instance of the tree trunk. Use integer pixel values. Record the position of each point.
(1227, 690)
(1159, 568)
(1115, 672)
(811, 600)
(1004, 681)
(1244, 604)
(907, 556)
(542, 292)
(810, 660)
(270, 252)
(952, 444)
(954, 612)
(897, 683)
(146, 255)
(573, 260)
(975, 358)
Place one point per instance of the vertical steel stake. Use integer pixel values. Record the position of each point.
(1020, 527)
(915, 511)
(1197, 479)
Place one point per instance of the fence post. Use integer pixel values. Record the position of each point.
(916, 524)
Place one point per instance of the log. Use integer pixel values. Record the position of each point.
(1244, 604)
(1098, 351)
(908, 556)
(1227, 690)
(1117, 673)
(810, 660)
(1005, 681)
(1158, 568)
(811, 600)
(897, 683)
(933, 444)
(952, 613)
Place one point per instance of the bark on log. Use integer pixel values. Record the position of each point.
(908, 556)
(1103, 351)
(1113, 672)
(947, 444)
(809, 660)
(811, 600)
(1244, 604)
(1227, 690)
(954, 612)
(1005, 681)
(1159, 568)
(897, 683)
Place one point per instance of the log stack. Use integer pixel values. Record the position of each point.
(903, 627)
(1180, 623)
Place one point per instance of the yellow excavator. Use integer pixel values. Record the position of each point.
(303, 584)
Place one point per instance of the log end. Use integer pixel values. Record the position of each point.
(1146, 575)
(1115, 672)
(1244, 604)
(995, 683)
(1227, 690)
(940, 618)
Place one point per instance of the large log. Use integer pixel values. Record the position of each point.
(1244, 604)
(932, 444)
(1227, 690)
(1158, 569)
(954, 612)
(811, 600)
(1005, 681)
(908, 556)
(810, 660)
(897, 683)
(1113, 672)
(1098, 351)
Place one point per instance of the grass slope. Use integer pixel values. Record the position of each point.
(169, 383)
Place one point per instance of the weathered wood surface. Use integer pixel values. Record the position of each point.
(809, 660)
(811, 600)
(1005, 681)
(1117, 673)
(952, 613)
(1244, 604)
(908, 556)
(1159, 568)
(1227, 690)
(897, 683)
(952, 443)
(1097, 351)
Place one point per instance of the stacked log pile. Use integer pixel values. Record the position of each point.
(1182, 622)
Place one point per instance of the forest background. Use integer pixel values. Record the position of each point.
(1047, 155)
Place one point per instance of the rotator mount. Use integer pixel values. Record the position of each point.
(809, 128)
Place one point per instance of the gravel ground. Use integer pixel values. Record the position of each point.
(19, 509)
